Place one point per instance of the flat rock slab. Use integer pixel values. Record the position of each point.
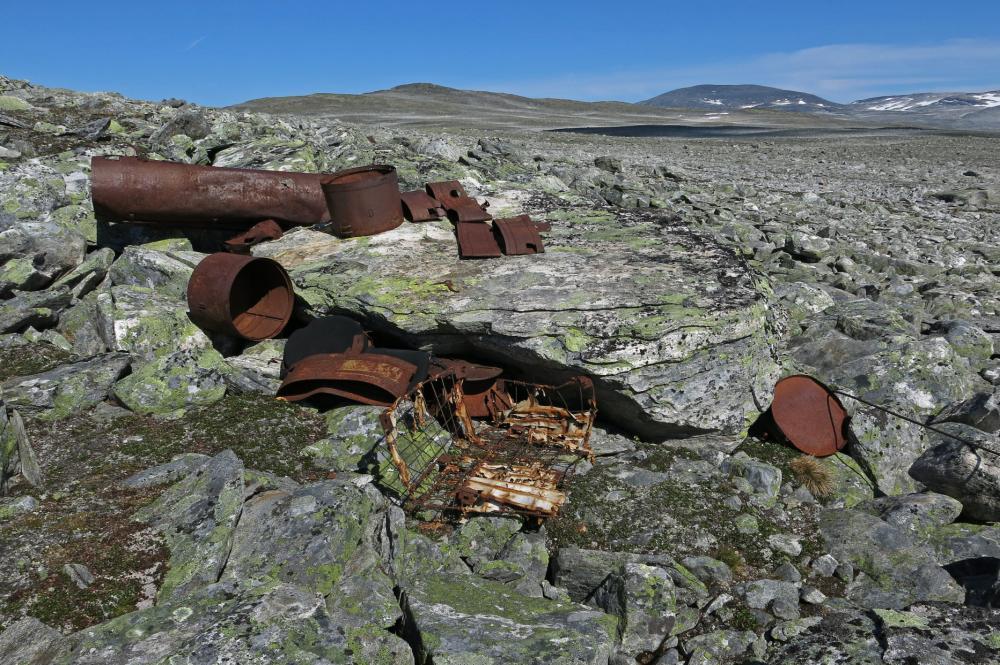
(674, 327)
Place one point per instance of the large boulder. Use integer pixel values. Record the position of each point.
(675, 328)
(67, 389)
(897, 569)
(969, 474)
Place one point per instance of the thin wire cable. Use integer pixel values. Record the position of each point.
(968, 442)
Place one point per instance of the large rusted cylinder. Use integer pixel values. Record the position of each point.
(244, 296)
(363, 201)
(139, 190)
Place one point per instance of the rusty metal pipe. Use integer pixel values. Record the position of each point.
(363, 201)
(138, 190)
(244, 296)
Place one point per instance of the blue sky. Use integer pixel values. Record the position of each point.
(222, 52)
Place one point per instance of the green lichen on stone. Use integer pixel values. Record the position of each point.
(10, 103)
(896, 619)
(174, 382)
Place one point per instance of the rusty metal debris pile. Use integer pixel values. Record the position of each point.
(444, 463)
(261, 204)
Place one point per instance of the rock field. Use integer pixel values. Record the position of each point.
(157, 505)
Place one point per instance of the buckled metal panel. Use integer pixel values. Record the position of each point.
(476, 241)
(518, 235)
(418, 206)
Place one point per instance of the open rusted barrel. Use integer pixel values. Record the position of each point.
(245, 296)
(809, 415)
(363, 201)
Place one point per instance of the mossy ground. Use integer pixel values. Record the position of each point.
(678, 517)
(85, 517)
(31, 359)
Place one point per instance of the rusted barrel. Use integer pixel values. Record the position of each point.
(245, 296)
(139, 190)
(363, 201)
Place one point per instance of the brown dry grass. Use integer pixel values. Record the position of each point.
(811, 473)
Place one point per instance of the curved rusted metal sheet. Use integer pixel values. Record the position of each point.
(467, 210)
(419, 206)
(363, 201)
(476, 241)
(258, 233)
(365, 378)
(518, 235)
(138, 190)
(244, 296)
(809, 415)
(446, 191)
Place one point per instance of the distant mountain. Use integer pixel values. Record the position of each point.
(930, 101)
(970, 110)
(741, 97)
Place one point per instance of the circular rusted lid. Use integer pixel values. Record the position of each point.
(809, 415)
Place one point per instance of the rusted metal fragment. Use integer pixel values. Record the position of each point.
(809, 415)
(364, 378)
(363, 201)
(418, 206)
(467, 210)
(483, 389)
(329, 334)
(446, 191)
(138, 190)
(518, 235)
(494, 466)
(258, 233)
(242, 296)
(476, 241)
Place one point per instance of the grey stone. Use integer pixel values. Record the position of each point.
(67, 389)
(788, 630)
(841, 637)
(353, 431)
(28, 464)
(644, 600)
(174, 382)
(190, 123)
(197, 517)
(763, 477)
(824, 565)
(812, 595)
(970, 475)
(781, 597)
(981, 411)
(39, 310)
(168, 472)
(788, 573)
(708, 570)
(718, 646)
(79, 574)
(897, 570)
(257, 369)
(11, 507)
(915, 512)
(528, 554)
(785, 543)
(45, 251)
(27, 640)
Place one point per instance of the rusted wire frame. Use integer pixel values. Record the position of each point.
(471, 451)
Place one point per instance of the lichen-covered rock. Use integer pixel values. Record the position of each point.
(843, 637)
(174, 382)
(26, 640)
(675, 330)
(850, 483)
(146, 323)
(352, 433)
(971, 475)
(39, 309)
(981, 411)
(283, 623)
(898, 570)
(915, 512)
(718, 646)
(464, 619)
(197, 517)
(644, 600)
(528, 557)
(763, 477)
(34, 254)
(314, 536)
(938, 634)
(67, 389)
(257, 369)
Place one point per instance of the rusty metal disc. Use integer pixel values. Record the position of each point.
(244, 296)
(809, 415)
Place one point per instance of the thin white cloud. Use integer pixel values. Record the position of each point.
(195, 43)
(842, 72)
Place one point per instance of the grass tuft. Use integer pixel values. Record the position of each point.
(811, 473)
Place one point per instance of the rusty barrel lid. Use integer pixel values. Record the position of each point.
(366, 378)
(809, 415)
(243, 296)
(363, 201)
